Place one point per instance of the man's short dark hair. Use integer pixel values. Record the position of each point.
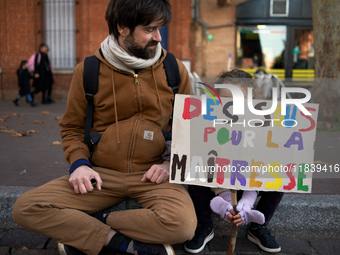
(131, 13)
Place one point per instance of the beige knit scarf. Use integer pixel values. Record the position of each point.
(120, 59)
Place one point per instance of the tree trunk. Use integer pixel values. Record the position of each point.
(326, 25)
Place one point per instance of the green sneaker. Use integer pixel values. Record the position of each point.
(262, 237)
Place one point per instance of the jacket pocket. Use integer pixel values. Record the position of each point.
(149, 146)
(111, 152)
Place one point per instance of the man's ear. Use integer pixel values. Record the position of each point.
(123, 31)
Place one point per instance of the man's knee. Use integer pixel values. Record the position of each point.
(183, 216)
(182, 227)
(186, 230)
(20, 212)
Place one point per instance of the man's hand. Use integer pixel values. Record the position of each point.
(157, 173)
(81, 178)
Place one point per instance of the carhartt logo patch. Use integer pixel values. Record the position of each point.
(148, 135)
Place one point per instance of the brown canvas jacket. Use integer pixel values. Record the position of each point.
(130, 113)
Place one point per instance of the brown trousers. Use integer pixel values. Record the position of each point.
(55, 210)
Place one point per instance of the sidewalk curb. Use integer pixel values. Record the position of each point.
(8, 196)
(299, 216)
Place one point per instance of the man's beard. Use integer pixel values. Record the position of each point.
(137, 50)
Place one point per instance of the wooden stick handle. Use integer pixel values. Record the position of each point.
(233, 231)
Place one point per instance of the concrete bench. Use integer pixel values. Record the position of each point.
(299, 216)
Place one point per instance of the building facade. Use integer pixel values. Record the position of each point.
(277, 36)
(73, 30)
(273, 35)
(209, 36)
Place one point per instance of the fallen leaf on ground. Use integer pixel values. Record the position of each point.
(23, 172)
(39, 122)
(3, 127)
(12, 131)
(3, 118)
(59, 118)
(22, 248)
(17, 134)
(18, 114)
(56, 143)
(45, 112)
(20, 123)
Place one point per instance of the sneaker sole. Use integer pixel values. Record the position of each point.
(206, 240)
(68, 250)
(169, 249)
(256, 241)
(61, 249)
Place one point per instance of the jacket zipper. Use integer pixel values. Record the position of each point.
(138, 88)
(136, 78)
(132, 143)
(134, 130)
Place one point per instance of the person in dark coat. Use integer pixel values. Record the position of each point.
(43, 78)
(24, 84)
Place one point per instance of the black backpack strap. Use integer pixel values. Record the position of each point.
(172, 72)
(90, 82)
(174, 79)
(91, 71)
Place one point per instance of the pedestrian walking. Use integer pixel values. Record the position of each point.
(43, 76)
(24, 84)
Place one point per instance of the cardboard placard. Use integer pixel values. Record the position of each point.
(247, 152)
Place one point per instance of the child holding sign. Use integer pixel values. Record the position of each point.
(201, 196)
(221, 204)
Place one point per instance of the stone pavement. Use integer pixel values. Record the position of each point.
(22, 242)
(31, 155)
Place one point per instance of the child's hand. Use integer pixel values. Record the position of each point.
(230, 216)
(237, 220)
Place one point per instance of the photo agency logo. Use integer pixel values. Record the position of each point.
(238, 105)
(240, 155)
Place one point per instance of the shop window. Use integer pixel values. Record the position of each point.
(261, 46)
(60, 31)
